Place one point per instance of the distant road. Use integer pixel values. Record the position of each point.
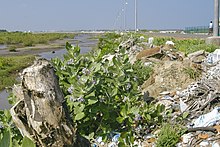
(175, 35)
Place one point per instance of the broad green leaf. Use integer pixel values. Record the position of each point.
(79, 116)
(96, 67)
(160, 108)
(68, 46)
(134, 110)
(123, 111)
(79, 109)
(26, 142)
(5, 142)
(91, 102)
(120, 119)
(148, 117)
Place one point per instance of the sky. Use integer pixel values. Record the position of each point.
(71, 15)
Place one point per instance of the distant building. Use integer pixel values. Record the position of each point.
(168, 31)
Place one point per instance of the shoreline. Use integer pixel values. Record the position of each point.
(31, 50)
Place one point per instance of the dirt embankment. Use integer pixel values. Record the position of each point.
(172, 71)
(168, 76)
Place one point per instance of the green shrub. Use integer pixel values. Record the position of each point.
(169, 136)
(12, 48)
(102, 94)
(9, 134)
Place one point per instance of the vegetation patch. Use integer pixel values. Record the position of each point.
(20, 39)
(186, 45)
(169, 135)
(102, 91)
(10, 66)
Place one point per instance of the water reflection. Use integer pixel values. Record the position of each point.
(2, 46)
(3, 100)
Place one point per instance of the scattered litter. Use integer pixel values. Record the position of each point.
(165, 93)
(204, 144)
(215, 144)
(170, 43)
(208, 119)
(183, 106)
(150, 40)
(141, 38)
(186, 138)
(203, 136)
(216, 56)
(167, 97)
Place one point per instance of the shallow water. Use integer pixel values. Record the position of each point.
(82, 40)
(2, 46)
(3, 100)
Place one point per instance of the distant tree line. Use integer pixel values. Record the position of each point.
(3, 30)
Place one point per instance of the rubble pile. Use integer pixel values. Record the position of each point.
(198, 98)
(202, 101)
(203, 95)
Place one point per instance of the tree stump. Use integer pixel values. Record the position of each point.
(41, 112)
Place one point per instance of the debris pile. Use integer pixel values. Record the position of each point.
(201, 102)
(198, 97)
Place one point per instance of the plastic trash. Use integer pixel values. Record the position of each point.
(98, 140)
(215, 144)
(216, 56)
(183, 106)
(150, 40)
(208, 119)
(204, 144)
(115, 138)
(170, 43)
(187, 137)
(141, 37)
(213, 57)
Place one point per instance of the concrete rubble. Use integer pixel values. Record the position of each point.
(200, 99)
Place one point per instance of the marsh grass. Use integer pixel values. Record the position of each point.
(20, 39)
(10, 66)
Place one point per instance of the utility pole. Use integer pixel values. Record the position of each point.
(135, 15)
(216, 18)
(215, 39)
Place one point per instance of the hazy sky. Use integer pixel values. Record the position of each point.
(42, 15)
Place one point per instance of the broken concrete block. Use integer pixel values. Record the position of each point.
(149, 53)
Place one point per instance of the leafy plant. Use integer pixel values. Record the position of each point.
(102, 93)
(9, 134)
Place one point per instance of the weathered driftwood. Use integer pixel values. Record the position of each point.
(41, 112)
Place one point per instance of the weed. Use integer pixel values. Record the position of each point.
(193, 73)
(169, 135)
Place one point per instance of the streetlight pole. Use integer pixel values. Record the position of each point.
(135, 15)
(125, 19)
(216, 18)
